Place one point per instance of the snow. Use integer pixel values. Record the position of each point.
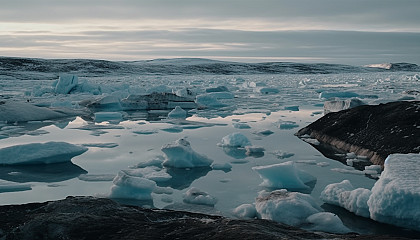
(283, 175)
(326, 222)
(179, 154)
(131, 187)
(245, 211)
(196, 196)
(338, 105)
(40, 153)
(235, 140)
(66, 83)
(290, 208)
(395, 196)
(177, 112)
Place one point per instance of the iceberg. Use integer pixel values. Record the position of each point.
(196, 196)
(66, 83)
(131, 187)
(245, 211)
(40, 153)
(290, 208)
(24, 112)
(177, 112)
(338, 105)
(235, 140)
(179, 154)
(107, 116)
(283, 175)
(326, 222)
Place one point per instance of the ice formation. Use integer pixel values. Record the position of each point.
(254, 150)
(177, 112)
(285, 125)
(245, 211)
(131, 187)
(7, 186)
(40, 153)
(221, 166)
(283, 175)
(107, 116)
(66, 83)
(268, 90)
(338, 105)
(240, 125)
(196, 196)
(326, 222)
(217, 89)
(292, 108)
(179, 154)
(96, 177)
(208, 100)
(291, 208)
(235, 140)
(152, 173)
(24, 112)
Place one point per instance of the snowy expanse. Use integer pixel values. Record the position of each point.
(222, 148)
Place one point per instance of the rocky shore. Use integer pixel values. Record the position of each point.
(374, 131)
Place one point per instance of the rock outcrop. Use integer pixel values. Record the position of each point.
(99, 218)
(374, 131)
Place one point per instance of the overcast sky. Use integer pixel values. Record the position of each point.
(336, 31)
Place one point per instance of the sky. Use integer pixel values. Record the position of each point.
(355, 32)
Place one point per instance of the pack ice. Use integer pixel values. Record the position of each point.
(394, 199)
(40, 153)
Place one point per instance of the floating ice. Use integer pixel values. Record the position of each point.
(292, 108)
(328, 95)
(65, 84)
(217, 89)
(240, 125)
(179, 154)
(348, 171)
(345, 195)
(235, 140)
(96, 177)
(146, 131)
(263, 132)
(7, 186)
(24, 112)
(326, 222)
(290, 208)
(283, 175)
(178, 112)
(160, 89)
(208, 100)
(107, 103)
(131, 187)
(196, 196)
(251, 150)
(107, 116)
(157, 162)
(338, 105)
(395, 196)
(285, 125)
(245, 211)
(101, 145)
(221, 166)
(282, 154)
(268, 90)
(152, 173)
(40, 153)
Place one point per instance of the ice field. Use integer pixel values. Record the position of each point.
(229, 156)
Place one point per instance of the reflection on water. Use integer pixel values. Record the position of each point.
(49, 173)
(183, 177)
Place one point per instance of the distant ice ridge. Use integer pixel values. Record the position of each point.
(394, 199)
(179, 154)
(40, 153)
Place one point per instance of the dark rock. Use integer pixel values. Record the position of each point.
(374, 131)
(96, 218)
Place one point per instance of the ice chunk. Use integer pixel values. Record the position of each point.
(178, 112)
(101, 145)
(285, 125)
(395, 196)
(131, 187)
(196, 196)
(217, 89)
(327, 222)
(108, 103)
(208, 100)
(221, 166)
(179, 154)
(245, 211)
(40, 153)
(65, 84)
(291, 208)
(283, 175)
(338, 105)
(292, 108)
(235, 140)
(160, 89)
(328, 95)
(345, 195)
(24, 112)
(240, 125)
(282, 154)
(152, 173)
(254, 150)
(268, 90)
(263, 132)
(157, 162)
(107, 116)
(7, 186)
(96, 177)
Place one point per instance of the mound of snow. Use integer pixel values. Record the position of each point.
(291, 208)
(196, 196)
(235, 140)
(338, 105)
(66, 83)
(395, 196)
(245, 211)
(179, 154)
(23, 112)
(40, 153)
(343, 194)
(177, 112)
(131, 187)
(327, 222)
(283, 175)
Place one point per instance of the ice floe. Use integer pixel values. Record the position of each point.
(179, 154)
(40, 153)
(326, 222)
(196, 196)
(235, 140)
(245, 211)
(177, 112)
(131, 187)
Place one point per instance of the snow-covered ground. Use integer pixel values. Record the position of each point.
(212, 157)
